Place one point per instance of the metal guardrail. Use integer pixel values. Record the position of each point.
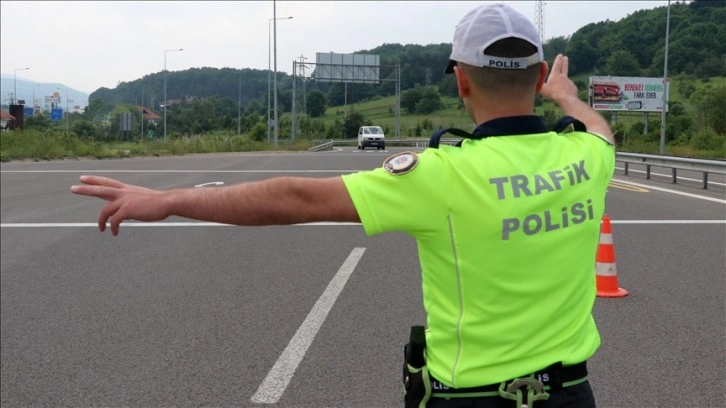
(321, 147)
(674, 163)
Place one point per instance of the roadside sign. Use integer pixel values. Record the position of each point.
(56, 114)
(127, 121)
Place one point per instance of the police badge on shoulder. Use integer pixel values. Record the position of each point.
(401, 163)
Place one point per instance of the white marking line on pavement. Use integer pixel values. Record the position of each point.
(671, 191)
(211, 183)
(312, 224)
(281, 373)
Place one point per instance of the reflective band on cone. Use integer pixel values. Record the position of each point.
(605, 269)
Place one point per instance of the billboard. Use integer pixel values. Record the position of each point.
(627, 94)
(354, 68)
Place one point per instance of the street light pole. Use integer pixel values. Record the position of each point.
(239, 105)
(269, 72)
(665, 84)
(68, 113)
(165, 51)
(15, 83)
(33, 103)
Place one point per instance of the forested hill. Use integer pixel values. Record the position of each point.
(632, 46)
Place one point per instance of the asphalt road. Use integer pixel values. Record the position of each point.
(182, 313)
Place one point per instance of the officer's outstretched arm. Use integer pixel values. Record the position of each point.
(277, 201)
(561, 90)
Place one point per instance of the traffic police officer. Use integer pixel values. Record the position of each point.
(507, 225)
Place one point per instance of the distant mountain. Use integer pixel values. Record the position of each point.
(26, 89)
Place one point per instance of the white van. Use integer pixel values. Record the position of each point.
(371, 136)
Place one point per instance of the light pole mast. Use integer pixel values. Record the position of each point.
(269, 72)
(33, 103)
(539, 19)
(165, 51)
(665, 84)
(239, 105)
(15, 83)
(274, 29)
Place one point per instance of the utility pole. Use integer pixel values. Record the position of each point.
(274, 79)
(665, 84)
(303, 75)
(539, 19)
(239, 106)
(142, 113)
(165, 100)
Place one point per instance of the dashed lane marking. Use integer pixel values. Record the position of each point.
(281, 373)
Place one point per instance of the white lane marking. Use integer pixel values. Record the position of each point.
(312, 224)
(672, 191)
(211, 183)
(281, 373)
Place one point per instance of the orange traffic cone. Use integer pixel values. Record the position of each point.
(606, 272)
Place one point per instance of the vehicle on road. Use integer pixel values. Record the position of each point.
(371, 136)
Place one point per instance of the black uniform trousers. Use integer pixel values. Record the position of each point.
(576, 396)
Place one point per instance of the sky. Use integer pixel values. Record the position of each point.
(87, 45)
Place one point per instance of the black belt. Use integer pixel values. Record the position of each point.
(555, 377)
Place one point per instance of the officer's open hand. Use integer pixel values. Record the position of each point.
(125, 202)
(558, 86)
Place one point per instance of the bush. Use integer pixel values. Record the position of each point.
(708, 139)
(258, 133)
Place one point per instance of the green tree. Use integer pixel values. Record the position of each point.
(38, 122)
(622, 63)
(708, 105)
(554, 46)
(686, 87)
(316, 104)
(707, 139)
(97, 110)
(550, 118)
(114, 126)
(85, 129)
(410, 98)
(335, 130)
(448, 86)
(430, 101)
(258, 133)
(352, 123)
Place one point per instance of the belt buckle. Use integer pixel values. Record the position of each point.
(536, 385)
(534, 391)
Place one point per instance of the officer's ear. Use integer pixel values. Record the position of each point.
(544, 69)
(462, 82)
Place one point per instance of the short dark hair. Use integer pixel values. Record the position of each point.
(494, 80)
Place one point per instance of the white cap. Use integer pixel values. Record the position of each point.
(486, 25)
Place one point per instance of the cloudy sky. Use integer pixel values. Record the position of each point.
(91, 44)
